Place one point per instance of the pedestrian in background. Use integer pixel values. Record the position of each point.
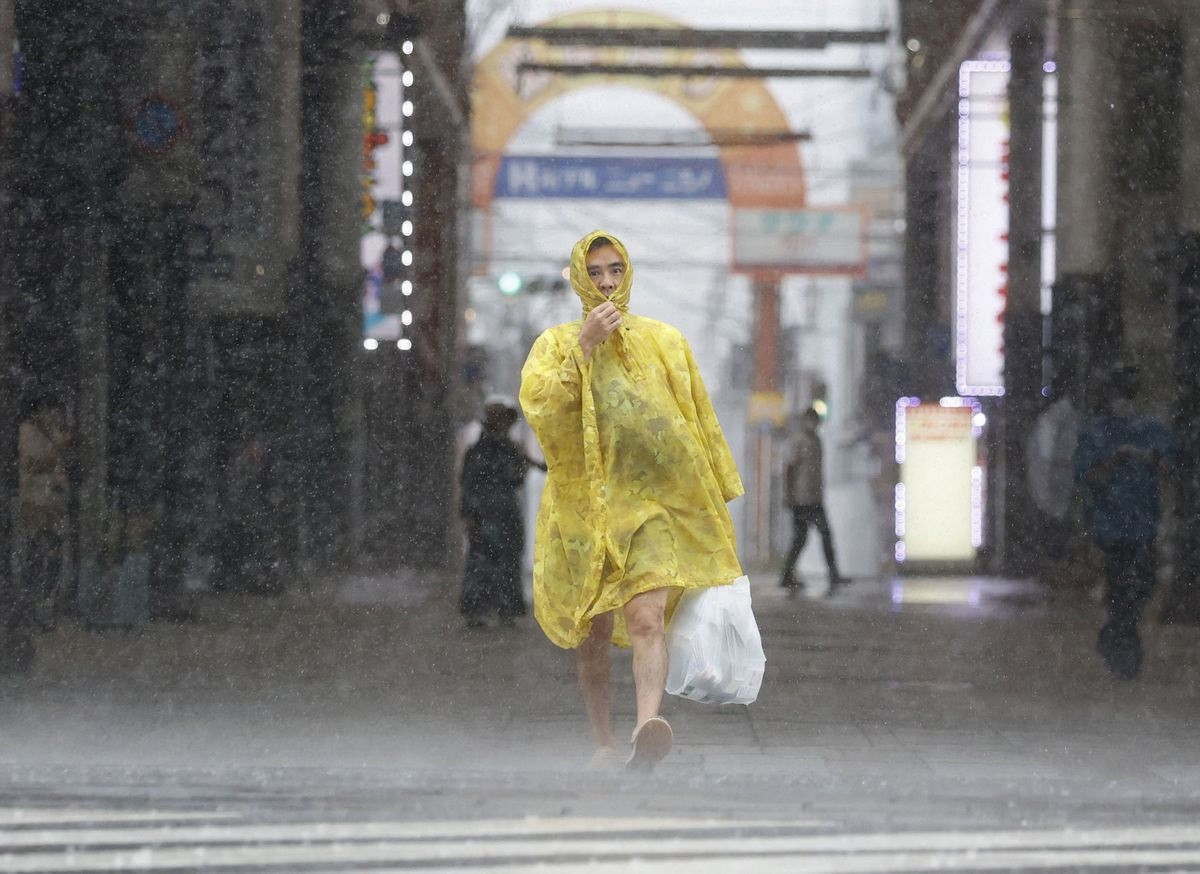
(43, 494)
(804, 492)
(33, 597)
(247, 557)
(493, 472)
(1117, 462)
(634, 508)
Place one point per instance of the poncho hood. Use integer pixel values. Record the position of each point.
(591, 296)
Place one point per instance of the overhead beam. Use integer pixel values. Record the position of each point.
(687, 38)
(662, 70)
(640, 136)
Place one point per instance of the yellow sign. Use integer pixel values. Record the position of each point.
(766, 406)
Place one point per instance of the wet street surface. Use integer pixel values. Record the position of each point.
(922, 724)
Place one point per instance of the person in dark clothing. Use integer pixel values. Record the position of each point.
(1118, 460)
(493, 471)
(247, 559)
(32, 599)
(804, 483)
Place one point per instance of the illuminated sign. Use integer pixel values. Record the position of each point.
(545, 176)
(939, 498)
(812, 240)
(385, 201)
(981, 250)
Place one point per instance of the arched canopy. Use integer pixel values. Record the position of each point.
(503, 100)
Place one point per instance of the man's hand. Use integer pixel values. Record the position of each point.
(597, 327)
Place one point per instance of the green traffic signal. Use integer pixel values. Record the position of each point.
(509, 283)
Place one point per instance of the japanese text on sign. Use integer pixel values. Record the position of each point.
(544, 176)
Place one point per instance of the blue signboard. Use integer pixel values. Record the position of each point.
(546, 176)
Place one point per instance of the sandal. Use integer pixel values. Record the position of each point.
(651, 743)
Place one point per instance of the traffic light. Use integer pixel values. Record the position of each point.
(509, 283)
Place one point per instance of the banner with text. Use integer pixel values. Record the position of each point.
(812, 240)
(617, 178)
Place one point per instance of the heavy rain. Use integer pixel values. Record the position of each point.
(573, 435)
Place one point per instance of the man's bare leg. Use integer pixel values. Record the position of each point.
(644, 616)
(593, 664)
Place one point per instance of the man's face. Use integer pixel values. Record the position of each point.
(606, 268)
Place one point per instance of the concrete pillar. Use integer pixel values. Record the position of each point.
(1087, 96)
(1086, 318)
(441, 158)
(92, 412)
(1189, 201)
(1182, 603)
(927, 266)
(8, 408)
(1023, 316)
(7, 40)
(766, 407)
(328, 345)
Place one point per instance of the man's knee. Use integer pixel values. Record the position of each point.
(600, 635)
(645, 619)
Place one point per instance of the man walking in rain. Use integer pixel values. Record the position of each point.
(1118, 461)
(634, 507)
(804, 486)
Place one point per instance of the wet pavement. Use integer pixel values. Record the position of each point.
(906, 724)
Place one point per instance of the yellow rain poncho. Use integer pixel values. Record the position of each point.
(639, 471)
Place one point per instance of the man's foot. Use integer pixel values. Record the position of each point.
(606, 759)
(651, 743)
(1121, 649)
(836, 581)
(475, 622)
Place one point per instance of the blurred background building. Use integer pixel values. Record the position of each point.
(1096, 146)
(187, 190)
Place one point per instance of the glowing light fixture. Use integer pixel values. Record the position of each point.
(981, 237)
(509, 283)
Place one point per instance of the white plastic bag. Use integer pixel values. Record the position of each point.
(715, 650)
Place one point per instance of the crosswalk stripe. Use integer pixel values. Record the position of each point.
(897, 864)
(666, 856)
(595, 841)
(774, 836)
(24, 816)
(408, 829)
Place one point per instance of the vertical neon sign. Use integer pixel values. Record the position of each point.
(981, 250)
